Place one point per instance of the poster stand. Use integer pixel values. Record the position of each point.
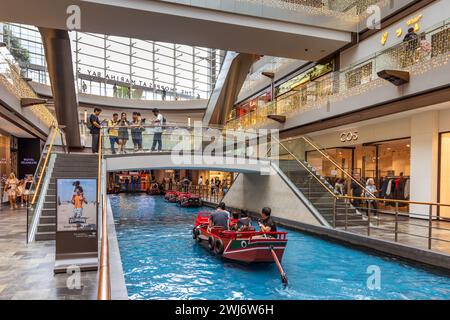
(76, 225)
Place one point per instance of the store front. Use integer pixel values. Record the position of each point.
(387, 162)
(409, 153)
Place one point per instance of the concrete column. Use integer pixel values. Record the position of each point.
(424, 160)
(58, 54)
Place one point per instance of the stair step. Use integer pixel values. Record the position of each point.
(78, 168)
(80, 175)
(44, 236)
(46, 227)
(47, 219)
(50, 205)
(48, 212)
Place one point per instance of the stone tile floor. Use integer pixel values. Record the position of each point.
(26, 270)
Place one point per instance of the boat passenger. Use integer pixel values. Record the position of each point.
(234, 220)
(266, 223)
(220, 217)
(244, 223)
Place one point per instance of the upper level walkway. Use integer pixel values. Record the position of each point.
(86, 99)
(361, 86)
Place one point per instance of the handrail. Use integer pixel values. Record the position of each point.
(337, 165)
(45, 164)
(395, 200)
(99, 172)
(337, 196)
(104, 281)
(306, 168)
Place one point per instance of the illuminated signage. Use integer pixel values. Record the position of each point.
(349, 136)
(28, 161)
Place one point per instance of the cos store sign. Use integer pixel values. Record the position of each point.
(349, 136)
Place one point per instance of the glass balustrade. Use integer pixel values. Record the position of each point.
(429, 51)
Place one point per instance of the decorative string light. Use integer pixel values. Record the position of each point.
(11, 79)
(350, 11)
(417, 57)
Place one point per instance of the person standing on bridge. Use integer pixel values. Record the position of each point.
(95, 128)
(113, 132)
(136, 132)
(157, 136)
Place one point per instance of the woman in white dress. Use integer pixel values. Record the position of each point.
(11, 190)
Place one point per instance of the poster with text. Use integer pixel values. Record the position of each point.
(76, 204)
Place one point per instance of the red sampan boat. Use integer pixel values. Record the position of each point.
(171, 196)
(245, 246)
(189, 200)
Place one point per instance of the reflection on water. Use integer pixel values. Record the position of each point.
(162, 261)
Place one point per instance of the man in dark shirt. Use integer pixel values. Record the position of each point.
(356, 191)
(411, 35)
(95, 129)
(220, 217)
(267, 224)
(244, 223)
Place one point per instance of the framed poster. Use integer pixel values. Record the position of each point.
(76, 224)
(76, 205)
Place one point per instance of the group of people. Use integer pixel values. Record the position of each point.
(416, 47)
(358, 189)
(18, 190)
(214, 184)
(119, 130)
(241, 221)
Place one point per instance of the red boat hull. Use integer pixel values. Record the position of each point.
(247, 246)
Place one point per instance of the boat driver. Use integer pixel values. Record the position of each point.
(220, 217)
(266, 224)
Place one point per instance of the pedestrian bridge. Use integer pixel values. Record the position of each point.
(192, 161)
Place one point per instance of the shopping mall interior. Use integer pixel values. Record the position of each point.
(127, 128)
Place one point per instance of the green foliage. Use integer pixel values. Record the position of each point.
(15, 47)
(122, 92)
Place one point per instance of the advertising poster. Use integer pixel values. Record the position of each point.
(76, 224)
(77, 204)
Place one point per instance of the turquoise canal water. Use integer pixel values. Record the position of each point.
(162, 261)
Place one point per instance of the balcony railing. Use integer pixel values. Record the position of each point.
(429, 51)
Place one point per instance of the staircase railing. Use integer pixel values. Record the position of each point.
(36, 183)
(305, 144)
(104, 281)
(420, 225)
